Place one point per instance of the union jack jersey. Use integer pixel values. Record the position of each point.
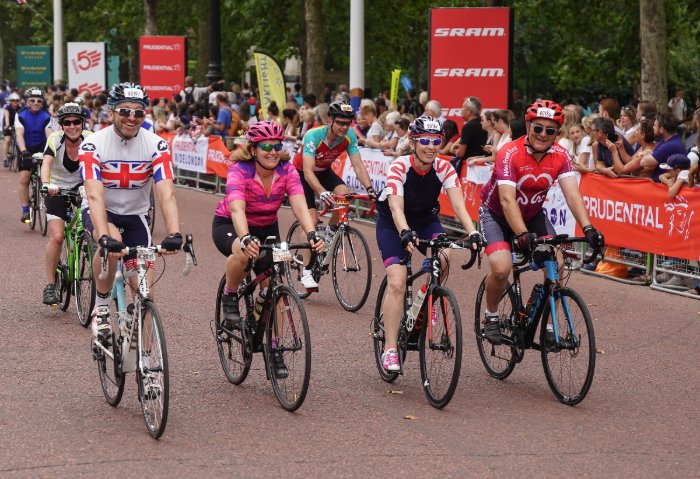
(126, 167)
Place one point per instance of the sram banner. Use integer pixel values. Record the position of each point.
(470, 50)
(638, 214)
(163, 65)
(87, 68)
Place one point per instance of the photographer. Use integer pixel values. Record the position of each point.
(607, 147)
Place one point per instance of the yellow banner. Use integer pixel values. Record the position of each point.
(270, 82)
(393, 97)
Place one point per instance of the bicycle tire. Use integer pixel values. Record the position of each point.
(84, 285)
(558, 360)
(498, 360)
(154, 386)
(235, 350)
(152, 211)
(349, 254)
(112, 378)
(292, 269)
(295, 342)
(378, 337)
(440, 382)
(33, 201)
(43, 220)
(12, 163)
(62, 280)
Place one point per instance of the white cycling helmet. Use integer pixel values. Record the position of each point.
(13, 97)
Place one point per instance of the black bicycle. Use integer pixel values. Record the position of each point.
(566, 338)
(37, 209)
(282, 319)
(13, 152)
(435, 331)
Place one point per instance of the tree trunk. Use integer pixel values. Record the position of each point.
(150, 9)
(2, 59)
(134, 64)
(652, 33)
(315, 51)
(202, 42)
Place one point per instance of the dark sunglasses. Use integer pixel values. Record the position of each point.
(549, 131)
(127, 112)
(430, 141)
(343, 124)
(34, 100)
(71, 122)
(267, 148)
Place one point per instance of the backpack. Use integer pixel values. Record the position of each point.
(415, 108)
(235, 122)
(189, 97)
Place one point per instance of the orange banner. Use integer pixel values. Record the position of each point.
(471, 191)
(216, 154)
(638, 214)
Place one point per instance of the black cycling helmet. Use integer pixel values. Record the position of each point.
(34, 92)
(71, 109)
(127, 91)
(425, 125)
(341, 109)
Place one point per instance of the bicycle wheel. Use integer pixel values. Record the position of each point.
(440, 347)
(351, 269)
(43, 220)
(378, 335)
(152, 211)
(289, 326)
(569, 364)
(292, 269)
(235, 352)
(12, 162)
(84, 285)
(109, 370)
(499, 360)
(61, 279)
(33, 201)
(154, 390)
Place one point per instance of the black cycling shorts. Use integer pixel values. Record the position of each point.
(223, 234)
(26, 164)
(328, 179)
(498, 235)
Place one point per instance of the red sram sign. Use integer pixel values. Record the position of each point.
(163, 65)
(470, 51)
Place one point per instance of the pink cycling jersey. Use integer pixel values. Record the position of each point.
(515, 166)
(243, 183)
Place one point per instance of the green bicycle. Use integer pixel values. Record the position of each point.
(74, 270)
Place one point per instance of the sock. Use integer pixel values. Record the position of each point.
(489, 313)
(274, 343)
(102, 299)
(306, 272)
(229, 292)
(25, 209)
(389, 348)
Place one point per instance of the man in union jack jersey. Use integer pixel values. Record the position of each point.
(119, 165)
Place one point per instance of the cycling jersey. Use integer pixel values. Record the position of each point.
(420, 190)
(12, 114)
(515, 166)
(34, 125)
(125, 167)
(64, 172)
(314, 144)
(243, 183)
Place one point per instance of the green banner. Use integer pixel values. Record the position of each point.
(33, 66)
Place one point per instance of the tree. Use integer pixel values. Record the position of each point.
(652, 32)
(315, 51)
(150, 8)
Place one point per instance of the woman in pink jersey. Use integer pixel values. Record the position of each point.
(257, 182)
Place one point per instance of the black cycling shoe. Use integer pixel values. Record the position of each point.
(25, 217)
(232, 315)
(492, 330)
(50, 294)
(279, 369)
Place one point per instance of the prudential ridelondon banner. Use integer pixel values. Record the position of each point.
(87, 66)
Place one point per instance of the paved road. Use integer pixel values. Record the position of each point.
(640, 419)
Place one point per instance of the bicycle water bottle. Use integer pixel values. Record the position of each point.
(259, 304)
(534, 296)
(417, 303)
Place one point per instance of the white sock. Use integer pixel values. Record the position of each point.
(306, 272)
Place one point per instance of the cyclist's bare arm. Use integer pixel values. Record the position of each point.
(165, 189)
(511, 210)
(94, 189)
(360, 170)
(308, 163)
(46, 168)
(569, 186)
(457, 202)
(396, 206)
(19, 135)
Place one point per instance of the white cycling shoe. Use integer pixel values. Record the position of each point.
(308, 281)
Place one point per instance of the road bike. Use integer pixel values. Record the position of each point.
(137, 343)
(74, 273)
(346, 255)
(281, 318)
(13, 152)
(566, 337)
(435, 331)
(37, 209)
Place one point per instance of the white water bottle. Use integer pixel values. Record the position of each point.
(417, 303)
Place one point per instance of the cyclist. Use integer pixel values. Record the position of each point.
(62, 146)
(321, 146)
(31, 130)
(116, 165)
(408, 210)
(512, 199)
(257, 182)
(9, 111)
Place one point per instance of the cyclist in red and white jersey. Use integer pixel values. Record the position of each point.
(119, 165)
(512, 200)
(321, 146)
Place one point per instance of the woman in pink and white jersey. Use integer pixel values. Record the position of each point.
(257, 183)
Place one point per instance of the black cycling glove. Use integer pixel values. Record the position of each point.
(476, 241)
(594, 237)
(172, 242)
(313, 237)
(525, 243)
(112, 245)
(372, 194)
(407, 236)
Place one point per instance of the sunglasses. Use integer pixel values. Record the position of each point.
(127, 112)
(71, 122)
(34, 100)
(430, 141)
(549, 131)
(267, 148)
(343, 124)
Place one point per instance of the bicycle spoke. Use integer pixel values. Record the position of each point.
(351, 269)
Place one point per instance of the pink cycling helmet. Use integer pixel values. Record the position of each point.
(264, 130)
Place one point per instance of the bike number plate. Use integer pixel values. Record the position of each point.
(281, 255)
(149, 256)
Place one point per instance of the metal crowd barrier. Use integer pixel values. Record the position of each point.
(640, 261)
(675, 275)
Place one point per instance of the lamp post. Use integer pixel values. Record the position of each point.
(214, 73)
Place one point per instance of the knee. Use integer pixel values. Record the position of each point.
(396, 286)
(500, 270)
